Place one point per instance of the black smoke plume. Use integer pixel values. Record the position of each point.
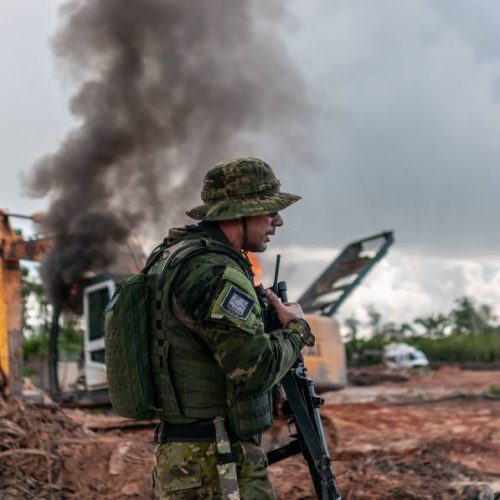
(165, 89)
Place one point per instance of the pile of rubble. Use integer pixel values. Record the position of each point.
(31, 463)
(46, 453)
(429, 470)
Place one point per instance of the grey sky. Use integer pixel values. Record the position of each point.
(32, 97)
(406, 132)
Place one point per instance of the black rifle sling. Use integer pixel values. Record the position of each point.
(307, 429)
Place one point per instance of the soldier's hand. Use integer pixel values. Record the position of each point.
(286, 311)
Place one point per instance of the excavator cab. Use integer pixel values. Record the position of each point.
(96, 295)
(92, 383)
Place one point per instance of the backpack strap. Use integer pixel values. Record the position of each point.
(159, 344)
(169, 270)
(155, 255)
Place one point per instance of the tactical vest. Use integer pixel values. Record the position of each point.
(189, 384)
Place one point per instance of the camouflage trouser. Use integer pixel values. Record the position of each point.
(185, 471)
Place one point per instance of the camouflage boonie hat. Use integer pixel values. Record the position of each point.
(239, 188)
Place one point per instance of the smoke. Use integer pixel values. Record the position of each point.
(165, 89)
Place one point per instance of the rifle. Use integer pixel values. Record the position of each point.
(302, 409)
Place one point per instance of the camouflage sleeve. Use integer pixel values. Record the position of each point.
(226, 315)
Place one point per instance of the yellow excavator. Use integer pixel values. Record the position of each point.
(13, 249)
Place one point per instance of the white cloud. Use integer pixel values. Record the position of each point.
(481, 282)
(402, 287)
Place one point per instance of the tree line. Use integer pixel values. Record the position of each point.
(470, 332)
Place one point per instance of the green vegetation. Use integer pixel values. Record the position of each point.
(469, 333)
(36, 332)
(495, 390)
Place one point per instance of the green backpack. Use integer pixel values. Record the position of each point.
(127, 338)
(126, 341)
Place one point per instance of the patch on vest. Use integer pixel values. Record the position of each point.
(237, 303)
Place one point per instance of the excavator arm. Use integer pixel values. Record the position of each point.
(345, 273)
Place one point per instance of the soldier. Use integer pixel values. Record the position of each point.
(222, 365)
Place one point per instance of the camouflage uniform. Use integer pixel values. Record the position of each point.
(215, 299)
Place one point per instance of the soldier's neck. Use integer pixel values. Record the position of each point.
(214, 231)
(233, 231)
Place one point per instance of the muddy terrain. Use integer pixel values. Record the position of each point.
(433, 435)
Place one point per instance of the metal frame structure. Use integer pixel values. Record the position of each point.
(353, 263)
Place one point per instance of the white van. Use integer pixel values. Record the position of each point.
(401, 355)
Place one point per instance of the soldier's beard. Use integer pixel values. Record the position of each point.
(259, 246)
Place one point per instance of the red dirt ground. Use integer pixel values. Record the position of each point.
(434, 436)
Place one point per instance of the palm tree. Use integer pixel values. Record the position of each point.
(467, 320)
(435, 324)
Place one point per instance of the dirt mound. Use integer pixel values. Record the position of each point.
(375, 375)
